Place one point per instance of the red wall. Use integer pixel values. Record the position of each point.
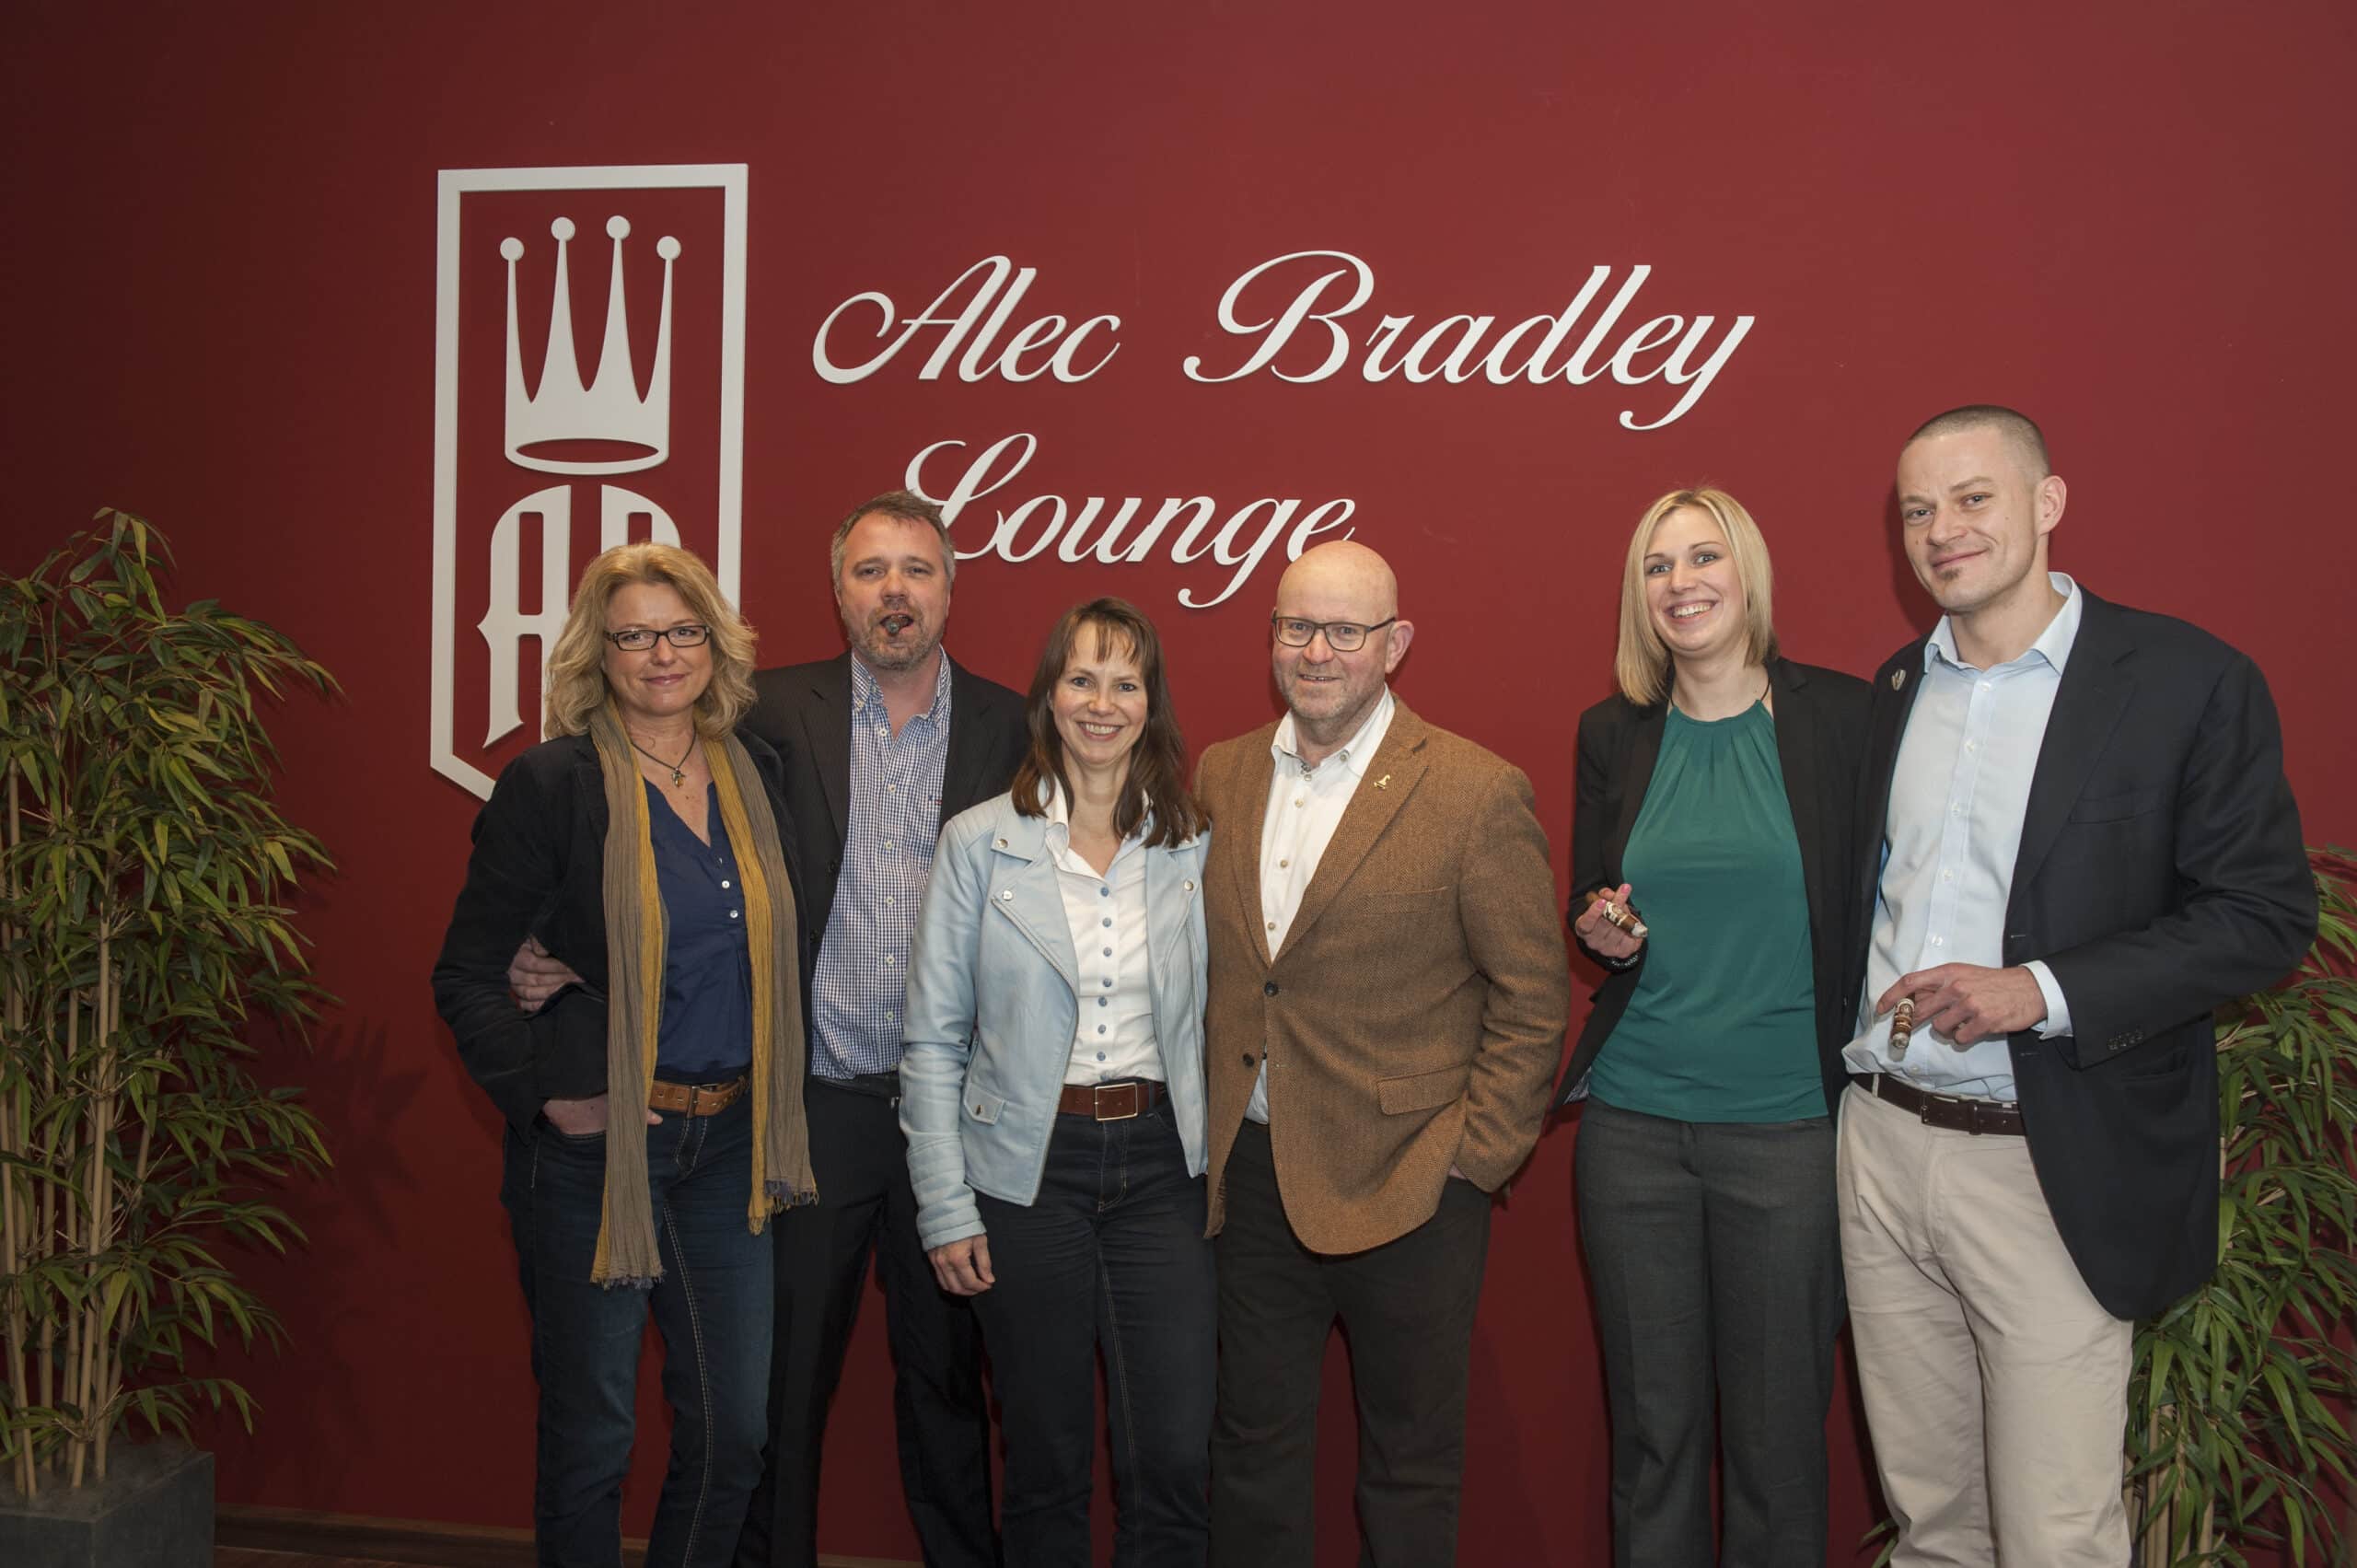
(2133, 221)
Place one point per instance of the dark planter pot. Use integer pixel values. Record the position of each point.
(154, 1510)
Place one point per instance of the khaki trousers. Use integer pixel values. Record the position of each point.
(1996, 1389)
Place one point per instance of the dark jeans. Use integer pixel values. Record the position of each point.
(1407, 1309)
(712, 1307)
(940, 1414)
(1111, 1256)
(1715, 1255)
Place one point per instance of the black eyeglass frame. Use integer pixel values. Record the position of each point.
(669, 634)
(1277, 624)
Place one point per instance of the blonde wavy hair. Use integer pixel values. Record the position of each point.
(576, 673)
(1641, 664)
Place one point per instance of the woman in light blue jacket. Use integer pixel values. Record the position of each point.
(1053, 1094)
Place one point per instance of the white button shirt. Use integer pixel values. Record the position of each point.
(1950, 838)
(1105, 912)
(1306, 805)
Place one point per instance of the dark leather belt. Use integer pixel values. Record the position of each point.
(1109, 1102)
(695, 1099)
(1958, 1113)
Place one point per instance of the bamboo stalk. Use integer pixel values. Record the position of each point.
(15, 1137)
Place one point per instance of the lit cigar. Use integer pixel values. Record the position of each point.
(1626, 919)
(1902, 1028)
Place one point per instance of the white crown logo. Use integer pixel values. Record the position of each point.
(610, 409)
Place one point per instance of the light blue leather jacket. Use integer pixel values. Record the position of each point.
(992, 1007)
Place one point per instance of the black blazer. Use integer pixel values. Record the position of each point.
(804, 710)
(2160, 874)
(1820, 737)
(537, 869)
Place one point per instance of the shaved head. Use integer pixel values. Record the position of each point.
(2023, 438)
(1331, 693)
(1346, 569)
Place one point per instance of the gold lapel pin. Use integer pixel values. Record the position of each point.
(1383, 782)
(1897, 679)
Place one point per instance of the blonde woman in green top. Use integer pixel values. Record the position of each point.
(1715, 795)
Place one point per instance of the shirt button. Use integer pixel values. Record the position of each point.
(1948, 875)
(1105, 1001)
(1108, 979)
(1100, 1055)
(1283, 863)
(732, 914)
(1108, 952)
(887, 901)
(1939, 941)
(889, 1015)
(1272, 925)
(888, 844)
(1100, 1028)
(1299, 800)
(1104, 892)
(882, 730)
(724, 881)
(890, 960)
(1107, 922)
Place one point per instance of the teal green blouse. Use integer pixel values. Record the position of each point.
(1723, 1024)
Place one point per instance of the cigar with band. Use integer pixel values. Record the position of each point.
(1617, 914)
(1902, 1028)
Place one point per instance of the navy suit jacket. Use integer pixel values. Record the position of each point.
(2161, 873)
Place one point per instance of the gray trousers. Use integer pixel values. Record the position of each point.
(1714, 1252)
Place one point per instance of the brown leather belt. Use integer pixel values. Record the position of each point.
(695, 1099)
(1958, 1113)
(1109, 1102)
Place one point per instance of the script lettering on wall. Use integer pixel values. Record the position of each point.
(513, 410)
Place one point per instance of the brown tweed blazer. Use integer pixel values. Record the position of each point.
(1416, 1014)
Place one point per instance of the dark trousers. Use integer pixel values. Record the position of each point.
(1407, 1309)
(712, 1307)
(1715, 1255)
(942, 1418)
(1109, 1256)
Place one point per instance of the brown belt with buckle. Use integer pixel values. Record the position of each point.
(1958, 1113)
(695, 1099)
(1109, 1102)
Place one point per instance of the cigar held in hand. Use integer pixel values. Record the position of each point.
(1626, 919)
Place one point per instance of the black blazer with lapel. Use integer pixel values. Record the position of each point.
(804, 710)
(537, 869)
(2160, 874)
(1820, 737)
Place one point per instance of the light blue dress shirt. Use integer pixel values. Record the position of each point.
(857, 991)
(1949, 842)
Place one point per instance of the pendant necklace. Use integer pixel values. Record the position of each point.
(678, 769)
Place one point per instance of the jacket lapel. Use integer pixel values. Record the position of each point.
(1259, 768)
(967, 737)
(826, 727)
(2088, 703)
(1896, 685)
(1390, 778)
(1170, 894)
(1025, 870)
(1636, 777)
(1796, 752)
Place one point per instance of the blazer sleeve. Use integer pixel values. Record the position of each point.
(1591, 784)
(1506, 901)
(937, 1033)
(2248, 909)
(515, 875)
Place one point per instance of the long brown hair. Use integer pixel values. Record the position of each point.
(1158, 775)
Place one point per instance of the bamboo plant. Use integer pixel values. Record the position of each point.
(145, 932)
(2235, 1437)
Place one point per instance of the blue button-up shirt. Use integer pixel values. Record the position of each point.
(863, 973)
(706, 1033)
(1957, 794)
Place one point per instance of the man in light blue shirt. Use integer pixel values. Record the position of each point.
(2077, 842)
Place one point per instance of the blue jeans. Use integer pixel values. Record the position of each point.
(1109, 1255)
(712, 1307)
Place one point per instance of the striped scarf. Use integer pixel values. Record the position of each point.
(635, 957)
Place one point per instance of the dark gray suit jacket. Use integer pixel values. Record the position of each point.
(2160, 874)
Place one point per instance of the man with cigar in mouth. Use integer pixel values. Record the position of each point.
(882, 744)
(2078, 843)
